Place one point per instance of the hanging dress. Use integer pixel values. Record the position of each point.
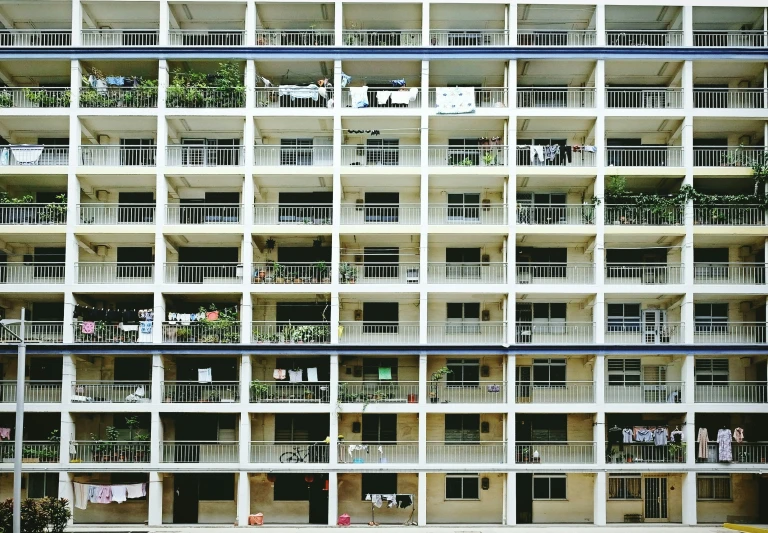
(702, 439)
(724, 445)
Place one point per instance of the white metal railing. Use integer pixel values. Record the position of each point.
(101, 391)
(118, 97)
(647, 453)
(89, 332)
(727, 156)
(204, 97)
(379, 97)
(729, 273)
(572, 97)
(110, 451)
(554, 333)
(271, 272)
(203, 214)
(644, 38)
(289, 452)
(730, 98)
(565, 37)
(468, 156)
(467, 392)
(114, 272)
(306, 37)
(194, 392)
(201, 333)
(482, 214)
(369, 332)
(29, 97)
(301, 214)
(380, 214)
(485, 97)
(120, 37)
(731, 392)
(555, 274)
(291, 332)
(31, 451)
(729, 215)
(728, 38)
(35, 391)
(358, 452)
(32, 214)
(644, 156)
(641, 392)
(199, 452)
(579, 453)
(376, 156)
(466, 332)
(294, 97)
(394, 38)
(10, 38)
(467, 273)
(373, 273)
(574, 215)
(643, 273)
(729, 332)
(555, 392)
(745, 452)
(117, 156)
(206, 37)
(469, 38)
(23, 155)
(635, 332)
(201, 155)
(294, 156)
(478, 452)
(113, 214)
(290, 392)
(32, 273)
(214, 273)
(366, 392)
(537, 156)
(48, 332)
(634, 215)
(644, 98)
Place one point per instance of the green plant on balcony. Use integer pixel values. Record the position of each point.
(145, 95)
(218, 326)
(321, 271)
(489, 159)
(55, 212)
(278, 271)
(260, 391)
(347, 273)
(676, 453)
(435, 378)
(193, 89)
(466, 162)
(6, 99)
(48, 97)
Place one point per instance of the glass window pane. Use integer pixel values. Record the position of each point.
(471, 488)
(541, 487)
(453, 487)
(557, 486)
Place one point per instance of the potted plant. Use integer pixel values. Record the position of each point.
(489, 159)
(347, 273)
(279, 272)
(214, 396)
(321, 270)
(183, 334)
(435, 378)
(6, 99)
(259, 391)
(309, 394)
(676, 453)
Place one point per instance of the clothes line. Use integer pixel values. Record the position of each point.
(397, 500)
(85, 493)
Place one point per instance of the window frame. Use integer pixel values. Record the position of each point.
(618, 377)
(700, 373)
(54, 478)
(457, 379)
(295, 480)
(712, 478)
(207, 484)
(623, 323)
(465, 477)
(623, 489)
(550, 477)
(709, 322)
(548, 364)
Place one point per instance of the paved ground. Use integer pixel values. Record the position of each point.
(614, 528)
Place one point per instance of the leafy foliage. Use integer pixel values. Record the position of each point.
(224, 88)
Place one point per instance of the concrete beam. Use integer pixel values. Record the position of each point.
(5, 247)
(85, 245)
(5, 20)
(89, 20)
(170, 247)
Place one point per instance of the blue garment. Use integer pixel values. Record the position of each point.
(398, 83)
(115, 80)
(145, 327)
(345, 80)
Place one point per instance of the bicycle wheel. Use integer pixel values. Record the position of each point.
(290, 457)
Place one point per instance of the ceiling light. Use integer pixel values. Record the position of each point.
(187, 12)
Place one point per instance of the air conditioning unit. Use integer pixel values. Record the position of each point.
(412, 275)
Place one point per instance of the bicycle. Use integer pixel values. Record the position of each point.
(313, 453)
(295, 456)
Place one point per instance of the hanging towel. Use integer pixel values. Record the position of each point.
(105, 494)
(204, 375)
(136, 490)
(295, 375)
(455, 100)
(87, 327)
(5, 433)
(93, 493)
(116, 80)
(376, 499)
(312, 374)
(385, 372)
(345, 79)
(145, 327)
(80, 493)
(404, 500)
(359, 96)
(382, 97)
(537, 154)
(27, 154)
(278, 373)
(119, 493)
(738, 435)
(404, 97)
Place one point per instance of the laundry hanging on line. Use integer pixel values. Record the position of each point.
(85, 493)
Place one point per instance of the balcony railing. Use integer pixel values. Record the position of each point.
(23, 155)
(485, 97)
(204, 97)
(366, 392)
(380, 214)
(375, 156)
(728, 38)
(118, 97)
(647, 453)
(121, 37)
(104, 451)
(48, 332)
(384, 98)
(727, 156)
(99, 332)
(556, 97)
(294, 97)
(291, 273)
(35, 391)
(729, 98)
(467, 332)
(644, 98)
(201, 333)
(707, 332)
(744, 453)
(114, 214)
(729, 215)
(289, 452)
(117, 156)
(31, 274)
(731, 392)
(467, 392)
(212, 274)
(555, 392)
(32, 214)
(35, 97)
(10, 38)
(379, 273)
(663, 392)
(201, 155)
(537, 156)
(556, 274)
(461, 273)
(290, 392)
(203, 214)
(571, 215)
(485, 214)
(478, 452)
(122, 273)
(308, 37)
(394, 38)
(194, 392)
(469, 38)
(643, 274)
(291, 332)
(378, 452)
(370, 332)
(555, 333)
(468, 157)
(572, 452)
(299, 214)
(544, 37)
(199, 452)
(634, 215)
(644, 156)
(206, 37)
(642, 38)
(729, 273)
(99, 391)
(633, 332)
(31, 452)
(293, 156)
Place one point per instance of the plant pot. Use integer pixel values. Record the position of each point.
(412, 398)
(30, 460)
(280, 280)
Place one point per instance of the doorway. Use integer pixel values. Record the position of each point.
(524, 498)
(655, 499)
(654, 330)
(186, 499)
(318, 500)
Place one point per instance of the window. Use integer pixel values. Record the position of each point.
(291, 488)
(462, 428)
(371, 366)
(462, 487)
(378, 484)
(379, 428)
(217, 487)
(624, 486)
(296, 151)
(382, 152)
(549, 428)
(464, 372)
(549, 318)
(713, 486)
(292, 428)
(549, 372)
(711, 317)
(711, 371)
(463, 207)
(464, 152)
(380, 317)
(623, 317)
(381, 262)
(548, 486)
(462, 263)
(43, 485)
(623, 372)
(466, 314)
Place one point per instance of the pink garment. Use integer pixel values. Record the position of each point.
(105, 494)
(87, 327)
(5, 433)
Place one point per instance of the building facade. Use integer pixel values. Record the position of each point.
(504, 260)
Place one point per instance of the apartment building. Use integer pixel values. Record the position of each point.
(285, 257)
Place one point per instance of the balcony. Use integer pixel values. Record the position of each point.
(31, 452)
(644, 98)
(114, 214)
(367, 392)
(729, 98)
(292, 332)
(743, 453)
(664, 392)
(35, 97)
(11, 38)
(99, 451)
(485, 97)
(731, 392)
(634, 215)
(471, 273)
(556, 97)
(293, 214)
(729, 273)
(122, 273)
(727, 156)
(201, 155)
(213, 274)
(294, 97)
(555, 333)
(729, 215)
(291, 273)
(572, 452)
(730, 333)
(101, 391)
(556, 274)
(478, 452)
(120, 37)
(276, 452)
(34, 391)
(31, 274)
(206, 37)
(372, 156)
(644, 38)
(118, 98)
(556, 392)
(643, 274)
(644, 156)
(199, 452)
(282, 392)
(469, 38)
(543, 37)
(369, 332)
(379, 273)
(378, 452)
(647, 453)
(117, 156)
(32, 214)
(47, 332)
(194, 392)
(486, 214)
(179, 97)
(292, 156)
(533, 156)
(376, 38)
(304, 37)
(561, 214)
(468, 157)
(28, 155)
(728, 38)
(226, 332)
(203, 214)
(379, 98)
(467, 332)
(467, 392)
(380, 214)
(631, 332)
(101, 333)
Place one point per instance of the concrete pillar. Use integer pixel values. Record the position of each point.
(158, 377)
(424, 193)
(423, 399)
(246, 306)
(77, 24)
(687, 25)
(246, 376)
(66, 490)
(421, 500)
(68, 377)
(600, 498)
(155, 499)
(66, 436)
(598, 378)
(333, 497)
(250, 29)
(156, 439)
(689, 499)
(511, 498)
(512, 23)
(599, 437)
(243, 498)
(600, 24)
(165, 24)
(337, 32)
(425, 15)
(333, 429)
(245, 439)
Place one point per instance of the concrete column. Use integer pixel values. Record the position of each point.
(66, 436)
(424, 193)
(66, 490)
(338, 28)
(243, 498)
(158, 376)
(165, 23)
(600, 498)
(333, 429)
(333, 497)
(423, 399)
(159, 306)
(77, 24)
(155, 499)
(156, 439)
(425, 27)
(250, 29)
(421, 500)
(599, 437)
(511, 501)
(600, 24)
(337, 190)
(598, 250)
(246, 315)
(72, 251)
(67, 429)
(598, 378)
(689, 499)
(687, 25)
(689, 390)
(246, 376)
(163, 80)
(512, 23)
